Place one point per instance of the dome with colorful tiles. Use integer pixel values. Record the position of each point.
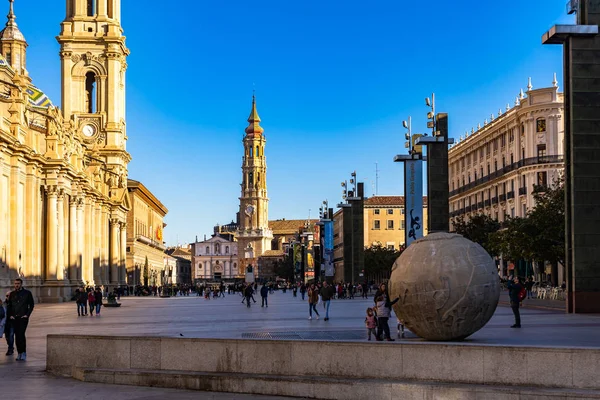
(37, 97)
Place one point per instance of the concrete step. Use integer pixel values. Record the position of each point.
(320, 387)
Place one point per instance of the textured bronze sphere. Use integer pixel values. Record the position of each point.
(448, 287)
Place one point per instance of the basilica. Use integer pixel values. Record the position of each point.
(63, 171)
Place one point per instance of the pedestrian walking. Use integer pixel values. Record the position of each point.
(529, 287)
(19, 309)
(264, 292)
(302, 291)
(98, 300)
(516, 293)
(91, 301)
(313, 299)
(326, 295)
(248, 294)
(9, 331)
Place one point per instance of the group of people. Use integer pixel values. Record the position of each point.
(14, 318)
(88, 297)
(377, 319)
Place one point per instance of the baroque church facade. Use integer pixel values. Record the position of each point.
(63, 172)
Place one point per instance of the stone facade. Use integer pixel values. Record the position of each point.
(145, 237)
(182, 273)
(215, 259)
(63, 173)
(385, 221)
(494, 169)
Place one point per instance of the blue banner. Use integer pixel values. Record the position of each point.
(328, 249)
(413, 200)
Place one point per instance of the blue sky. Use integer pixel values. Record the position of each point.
(334, 80)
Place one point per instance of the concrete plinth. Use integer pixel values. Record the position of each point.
(326, 370)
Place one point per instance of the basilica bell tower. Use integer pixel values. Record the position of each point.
(254, 236)
(93, 63)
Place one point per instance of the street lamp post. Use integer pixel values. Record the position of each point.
(438, 209)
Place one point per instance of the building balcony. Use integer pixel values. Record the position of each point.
(507, 169)
(510, 195)
(502, 198)
(495, 200)
(523, 191)
(487, 202)
(480, 205)
(473, 207)
(150, 242)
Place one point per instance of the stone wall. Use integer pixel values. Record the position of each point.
(568, 368)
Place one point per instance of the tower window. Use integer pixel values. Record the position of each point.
(111, 13)
(251, 180)
(250, 151)
(257, 152)
(91, 8)
(90, 97)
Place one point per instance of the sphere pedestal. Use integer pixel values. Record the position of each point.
(448, 287)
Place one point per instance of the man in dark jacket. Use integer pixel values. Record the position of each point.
(326, 295)
(19, 309)
(248, 292)
(514, 287)
(264, 292)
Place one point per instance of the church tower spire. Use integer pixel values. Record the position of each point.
(254, 236)
(13, 43)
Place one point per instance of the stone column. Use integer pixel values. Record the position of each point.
(51, 228)
(582, 164)
(60, 238)
(114, 251)
(73, 241)
(80, 241)
(123, 253)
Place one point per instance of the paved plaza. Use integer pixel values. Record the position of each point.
(285, 318)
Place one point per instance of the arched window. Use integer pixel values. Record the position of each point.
(251, 179)
(90, 95)
(226, 249)
(251, 152)
(257, 152)
(217, 248)
(207, 250)
(91, 8)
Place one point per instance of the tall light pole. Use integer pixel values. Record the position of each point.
(438, 208)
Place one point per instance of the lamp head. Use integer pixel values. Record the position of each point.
(427, 102)
(405, 124)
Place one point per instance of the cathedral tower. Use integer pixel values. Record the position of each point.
(93, 60)
(254, 236)
(12, 43)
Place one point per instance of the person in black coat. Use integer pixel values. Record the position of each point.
(514, 288)
(264, 292)
(19, 308)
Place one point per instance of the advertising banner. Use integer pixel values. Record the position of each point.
(413, 200)
(328, 249)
